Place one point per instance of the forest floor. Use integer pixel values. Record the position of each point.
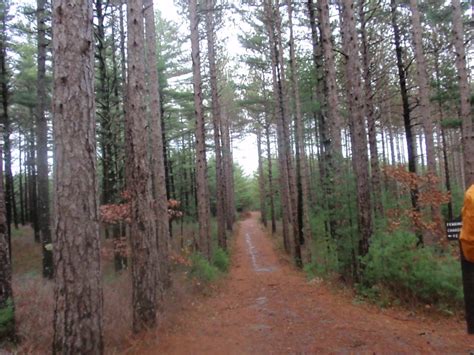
(266, 306)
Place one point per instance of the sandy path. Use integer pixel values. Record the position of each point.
(265, 306)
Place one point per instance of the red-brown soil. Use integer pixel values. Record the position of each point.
(265, 306)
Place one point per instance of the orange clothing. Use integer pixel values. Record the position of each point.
(467, 231)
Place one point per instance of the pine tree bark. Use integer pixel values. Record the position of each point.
(5, 119)
(447, 175)
(283, 94)
(357, 125)
(330, 127)
(104, 112)
(375, 177)
(157, 154)
(423, 88)
(216, 121)
(302, 173)
(20, 180)
(261, 178)
(464, 93)
(144, 255)
(7, 307)
(270, 177)
(78, 291)
(201, 163)
(42, 144)
(424, 108)
(410, 138)
(32, 207)
(333, 115)
(228, 167)
(278, 96)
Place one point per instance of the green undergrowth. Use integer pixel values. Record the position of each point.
(221, 260)
(7, 319)
(396, 268)
(205, 271)
(397, 272)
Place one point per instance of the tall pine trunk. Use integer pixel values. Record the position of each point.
(286, 136)
(278, 96)
(464, 93)
(270, 176)
(157, 156)
(78, 290)
(424, 109)
(304, 230)
(261, 177)
(144, 256)
(205, 246)
(357, 124)
(42, 145)
(330, 135)
(216, 122)
(409, 134)
(7, 307)
(375, 177)
(228, 167)
(7, 156)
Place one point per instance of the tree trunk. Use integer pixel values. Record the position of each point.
(7, 159)
(261, 178)
(201, 163)
(357, 125)
(144, 256)
(286, 203)
(228, 170)
(330, 127)
(410, 138)
(216, 121)
(447, 177)
(424, 108)
(78, 291)
(7, 307)
(302, 173)
(42, 145)
(376, 179)
(106, 136)
(286, 137)
(20, 181)
(424, 91)
(333, 115)
(270, 177)
(464, 93)
(32, 185)
(157, 157)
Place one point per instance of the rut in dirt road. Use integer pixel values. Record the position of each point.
(265, 306)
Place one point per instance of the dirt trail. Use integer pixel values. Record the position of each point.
(265, 306)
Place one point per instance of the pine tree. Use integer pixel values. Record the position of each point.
(78, 290)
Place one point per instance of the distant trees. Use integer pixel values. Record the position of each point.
(381, 58)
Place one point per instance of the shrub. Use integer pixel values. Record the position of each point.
(7, 319)
(220, 260)
(395, 263)
(201, 269)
